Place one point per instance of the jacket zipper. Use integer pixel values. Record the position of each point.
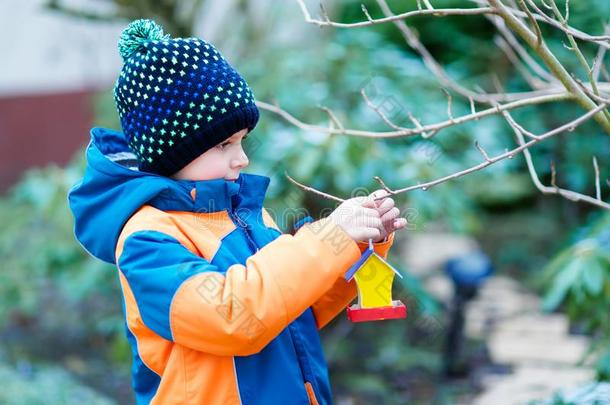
(242, 224)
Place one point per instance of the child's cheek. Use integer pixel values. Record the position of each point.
(210, 165)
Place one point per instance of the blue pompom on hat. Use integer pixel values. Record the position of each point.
(177, 97)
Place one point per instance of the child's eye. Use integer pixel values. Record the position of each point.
(223, 145)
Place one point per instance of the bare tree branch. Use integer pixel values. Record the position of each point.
(473, 109)
(378, 111)
(326, 22)
(419, 130)
(514, 124)
(533, 22)
(598, 63)
(532, 81)
(313, 190)
(449, 100)
(554, 189)
(333, 119)
(598, 191)
(579, 55)
(550, 60)
(509, 154)
(519, 49)
(418, 125)
(413, 41)
(570, 126)
(553, 85)
(483, 152)
(539, 15)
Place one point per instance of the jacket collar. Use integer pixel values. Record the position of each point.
(111, 191)
(247, 192)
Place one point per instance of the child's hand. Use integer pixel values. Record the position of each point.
(359, 218)
(388, 213)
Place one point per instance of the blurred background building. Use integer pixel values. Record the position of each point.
(52, 65)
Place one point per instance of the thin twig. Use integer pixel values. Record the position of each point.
(533, 82)
(333, 118)
(449, 112)
(378, 111)
(533, 22)
(579, 55)
(539, 15)
(554, 189)
(551, 61)
(366, 13)
(431, 128)
(483, 152)
(509, 154)
(427, 3)
(324, 13)
(515, 124)
(598, 191)
(599, 58)
(605, 73)
(520, 50)
(413, 41)
(510, 17)
(313, 190)
(418, 125)
(381, 183)
(589, 91)
(321, 193)
(326, 22)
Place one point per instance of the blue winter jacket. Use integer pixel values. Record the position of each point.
(220, 306)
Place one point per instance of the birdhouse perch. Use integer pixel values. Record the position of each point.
(374, 277)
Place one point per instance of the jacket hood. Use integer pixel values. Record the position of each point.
(111, 192)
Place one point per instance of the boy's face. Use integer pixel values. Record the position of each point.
(223, 161)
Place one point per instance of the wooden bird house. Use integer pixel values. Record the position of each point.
(374, 278)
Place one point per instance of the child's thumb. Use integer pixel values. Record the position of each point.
(368, 202)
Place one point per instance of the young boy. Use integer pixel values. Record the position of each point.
(220, 306)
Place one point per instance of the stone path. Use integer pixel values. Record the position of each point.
(543, 355)
(537, 347)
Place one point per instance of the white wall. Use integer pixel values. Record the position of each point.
(45, 52)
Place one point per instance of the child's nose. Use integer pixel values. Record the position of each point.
(241, 161)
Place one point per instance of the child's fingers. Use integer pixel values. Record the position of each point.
(399, 223)
(365, 206)
(385, 206)
(396, 224)
(390, 215)
(367, 202)
(377, 194)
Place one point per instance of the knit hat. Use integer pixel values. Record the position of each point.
(177, 97)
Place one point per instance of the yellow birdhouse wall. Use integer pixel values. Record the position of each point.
(374, 282)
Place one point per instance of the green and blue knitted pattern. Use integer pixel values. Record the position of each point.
(177, 97)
